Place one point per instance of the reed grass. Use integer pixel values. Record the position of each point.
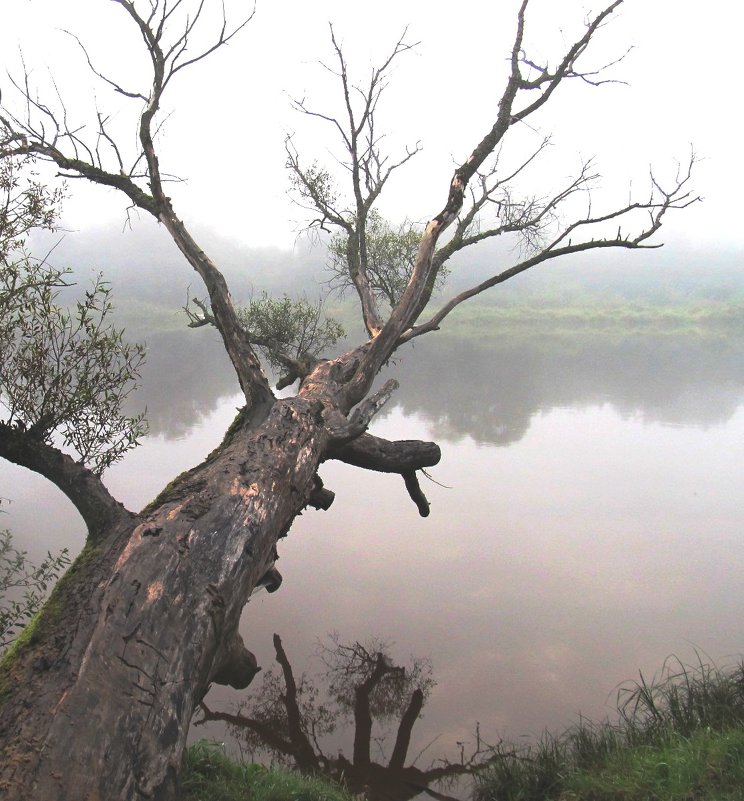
(677, 737)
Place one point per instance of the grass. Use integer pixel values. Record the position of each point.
(208, 775)
(707, 765)
(679, 737)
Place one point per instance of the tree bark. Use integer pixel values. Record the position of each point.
(97, 695)
(96, 699)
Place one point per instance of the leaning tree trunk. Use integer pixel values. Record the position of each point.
(95, 701)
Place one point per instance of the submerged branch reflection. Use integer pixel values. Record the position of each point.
(290, 719)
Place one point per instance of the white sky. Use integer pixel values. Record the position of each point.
(230, 114)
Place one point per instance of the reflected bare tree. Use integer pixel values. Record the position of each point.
(289, 717)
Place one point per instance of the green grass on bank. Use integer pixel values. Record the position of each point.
(479, 317)
(598, 318)
(707, 765)
(677, 738)
(208, 775)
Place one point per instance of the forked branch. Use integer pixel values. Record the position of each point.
(368, 168)
(532, 219)
(565, 242)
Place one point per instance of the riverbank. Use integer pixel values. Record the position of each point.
(677, 737)
(594, 314)
(610, 318)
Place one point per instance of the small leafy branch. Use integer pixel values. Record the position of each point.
(66, 371)
(390, 254)
(25, 204)
(32, 582)
(290, 334)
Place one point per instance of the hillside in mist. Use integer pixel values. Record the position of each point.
(144, 264)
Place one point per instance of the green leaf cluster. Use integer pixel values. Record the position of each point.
(390, 257)
(64, 370)
(25, 204)
(289, 331)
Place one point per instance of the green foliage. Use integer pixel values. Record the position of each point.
(288, 331)
(313, 185)
(678, 737)
(391, 254)
(208, 775)
(28, 582)
(25, 204)
(63, 371)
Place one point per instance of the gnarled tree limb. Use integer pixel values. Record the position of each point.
(98, 508)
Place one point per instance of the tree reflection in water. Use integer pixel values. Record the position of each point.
(289, 717)
(490, 392)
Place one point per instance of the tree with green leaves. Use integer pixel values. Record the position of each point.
(97, 700)
(65, 369)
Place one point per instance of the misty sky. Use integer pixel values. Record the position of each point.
(230, 114)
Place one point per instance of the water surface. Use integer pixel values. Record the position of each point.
(590, 524)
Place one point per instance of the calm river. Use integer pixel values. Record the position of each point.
(588, 520)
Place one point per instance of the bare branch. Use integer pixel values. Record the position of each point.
(418, 291)
(369, 170)
(402, 456)
(659, 204)
(113, 84)
(405, 727)
(166, 60)
(363, 414)
(565, 69)
(301, 745)
(265, 731)
(415, 492)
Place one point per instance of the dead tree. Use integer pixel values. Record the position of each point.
(97, 696)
